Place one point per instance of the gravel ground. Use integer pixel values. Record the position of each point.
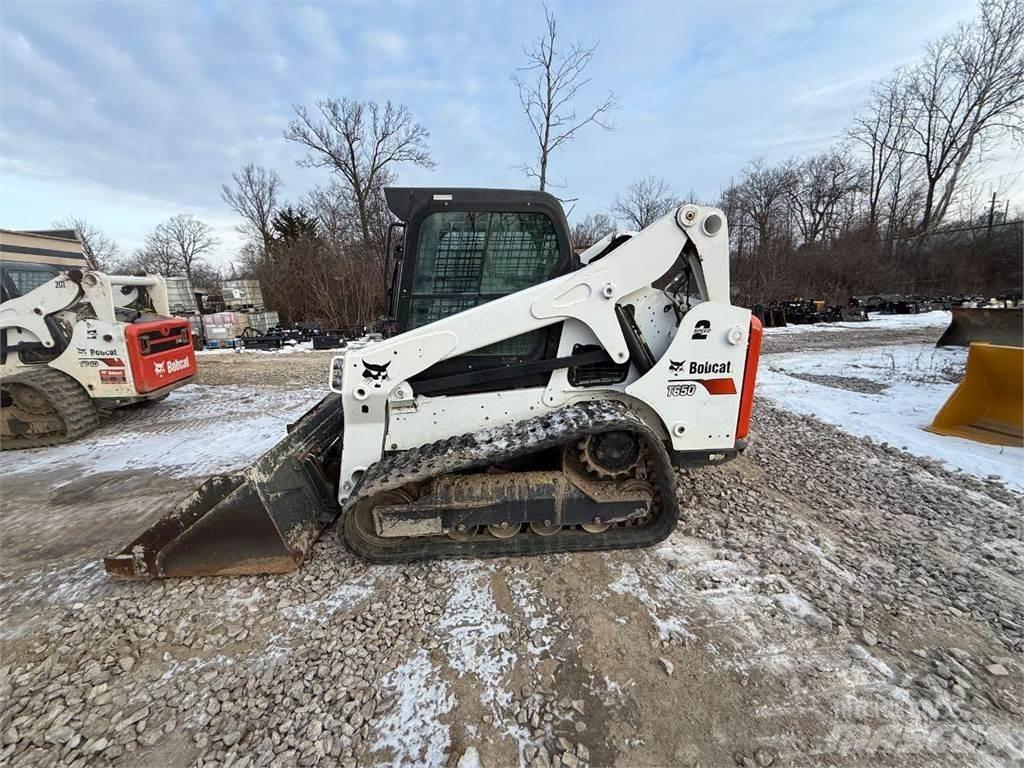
(826, 601)
(850, 338)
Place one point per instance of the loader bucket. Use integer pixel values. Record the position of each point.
(996, 326)
(261, 519)
(986, 405)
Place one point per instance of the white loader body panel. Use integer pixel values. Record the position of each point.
(708, 344)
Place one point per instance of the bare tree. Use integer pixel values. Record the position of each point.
(175, 246)
(968, 89)
(101, 252)
(590, 229)
(361, 143)
(205, 277)
(762, 195)
(821, 183)
(548, 86)
(254, 198)
(884, 133)
(645, 201)
(154, 257)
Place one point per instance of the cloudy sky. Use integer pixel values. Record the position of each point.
(127, 113)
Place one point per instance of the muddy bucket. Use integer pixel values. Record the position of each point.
(994, 325)
(261, 519)
(986, 406)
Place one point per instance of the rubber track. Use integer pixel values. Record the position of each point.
(500, 444)
(68, 398)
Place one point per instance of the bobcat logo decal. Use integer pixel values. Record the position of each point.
(676, 367)
(376, 373)
(158, 369)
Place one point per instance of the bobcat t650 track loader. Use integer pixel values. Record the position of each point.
(533, 400)
(75, 342)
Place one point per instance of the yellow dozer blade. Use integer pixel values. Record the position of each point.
(986, 405)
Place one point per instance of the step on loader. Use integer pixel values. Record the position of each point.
(533, 399)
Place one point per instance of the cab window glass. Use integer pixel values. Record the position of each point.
(27, 279)
(489, 254)
(469, 258)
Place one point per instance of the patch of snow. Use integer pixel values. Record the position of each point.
(413, 730)
(64, 586)
(287, 349)
(198, 430)
(794, 604)
(938, 318)
(612, 687)
(534, 608)
(470, 759)
(320, 611)
(719, 604)
(630, 583)
(916, 378)
(474, 632)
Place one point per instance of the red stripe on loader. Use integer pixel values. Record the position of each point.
(749, 376)
(719, 386)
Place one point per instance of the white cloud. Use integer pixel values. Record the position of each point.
(279, 62)
(317, 31)
(386, 42)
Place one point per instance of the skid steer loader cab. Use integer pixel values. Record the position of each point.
(466, 247)
(531, 401)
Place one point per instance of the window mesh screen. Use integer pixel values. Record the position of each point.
(458, 262)
(427, 310)
(467, 259)
(26, 280)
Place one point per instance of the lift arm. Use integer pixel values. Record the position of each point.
(589, 295)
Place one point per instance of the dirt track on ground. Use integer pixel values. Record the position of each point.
(825, 601)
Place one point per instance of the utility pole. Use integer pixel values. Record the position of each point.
(991, 213)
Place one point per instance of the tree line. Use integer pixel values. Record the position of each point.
(876, 212)
(885, 208)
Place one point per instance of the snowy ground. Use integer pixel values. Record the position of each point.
(876, 321)
(889, 394)
(176, 436)
(287, 349)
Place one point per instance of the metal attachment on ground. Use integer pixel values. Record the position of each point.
(261, 519)
(987, 406)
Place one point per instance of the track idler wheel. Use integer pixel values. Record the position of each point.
(467, 533)
(545, 529)
(503, 531)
